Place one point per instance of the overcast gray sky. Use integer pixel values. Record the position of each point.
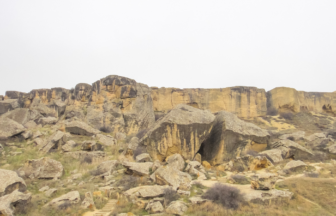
(173, 43)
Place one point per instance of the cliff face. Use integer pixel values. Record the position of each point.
(289, 99)
(245, 102)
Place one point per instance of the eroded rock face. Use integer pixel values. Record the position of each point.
(9, 128)
(44, 168)
(230, 137)
(17, 199)
(246, 102)
(10, 181)
(181, 131)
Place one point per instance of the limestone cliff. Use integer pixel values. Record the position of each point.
(245, 102)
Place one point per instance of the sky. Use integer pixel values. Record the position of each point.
(169, 43)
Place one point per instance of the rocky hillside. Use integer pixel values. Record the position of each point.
(118, 147)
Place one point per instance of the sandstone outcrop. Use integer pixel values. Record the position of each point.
(9, 128)
(10, 181)
(44, 168)
(231, 137)
(181, 131)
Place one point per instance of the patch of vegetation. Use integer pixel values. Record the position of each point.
(228, 197)
(240, 179)
(169, 196)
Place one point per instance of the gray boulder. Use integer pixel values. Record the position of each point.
(8, 105)
(154, 207)
(176, 161)
(137, 168)
(106, 140)
(177, 208)
(166, 175)
(143, 158)
(295, 165)
(69, 145)
(48, 120)
(9, 128)
(146, 191)
(56, 141)
(290, 149)
(81, 128)
(107, 167)
(275, 155)
(70, 198)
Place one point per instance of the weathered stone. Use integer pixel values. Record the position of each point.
(81, 128)
(22, 115)
(40, 143)
(88, 202)
(14, 203)
(195, 168)
(137, 168)
(27, 134)
(181, 131)
(290, 149)
(154, 207)
(69, 145)
(120, 136)
(198, 157)
(56, 141)
(96, 156)
(48, 120)
(274, 155)
(8, 105)
(50, 192)
(37, 134)
(156, 165)
(106, 140)
(197, 200)
(166, 175)
(206, 164)
(299, 135)
(143, 158)
(177, 208)
(9, 128)
(70, 198)
(230, 137)
(30, 125)
(295, 165)
(91, 146)
(10, 181)
(43, 168)
(264, 181)
(107, 167)
(176, 161)
(146, 191)
(43, 189)
(315, 136)
(249, 163)
(332, 149)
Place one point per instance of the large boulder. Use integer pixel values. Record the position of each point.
(81, 128)
(274, 155)
(107, 167)
(106, 140)
(166, 175)
(8, 105)
(14, 203)
(56, 141)
(43, 168)
(9, 128)
(10, 181)
(151, 191)
(68, 199)
(264, 181)
(176, 161)
(48, 120)
(137, 168)
(154, 207)
(230, 137)
(181, 131)
(22, 115)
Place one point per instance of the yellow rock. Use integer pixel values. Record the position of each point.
(206, 164)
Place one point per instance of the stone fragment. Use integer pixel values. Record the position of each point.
(50, 192)
(30, 125)
(43, 168)
(264, 181)
(290, 149)
(91, 146)
(9, 128)
(68, 199)
(177, 208)
(206, 164)
(332, 149)
(37, 134)
(106, 140)
(10, 181)
(107, 167)
(56, 141)
(137, 168)
(154, 207)
(156, 165)
(295, 165)
(175, 161)
(88, 202)
(27, 134)
(48, 120)
(275, 155)
(315, 136)
(144, 157)
(166, 175)
(14, 203)
(69, 145)
(151, 191)
(81, 128)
